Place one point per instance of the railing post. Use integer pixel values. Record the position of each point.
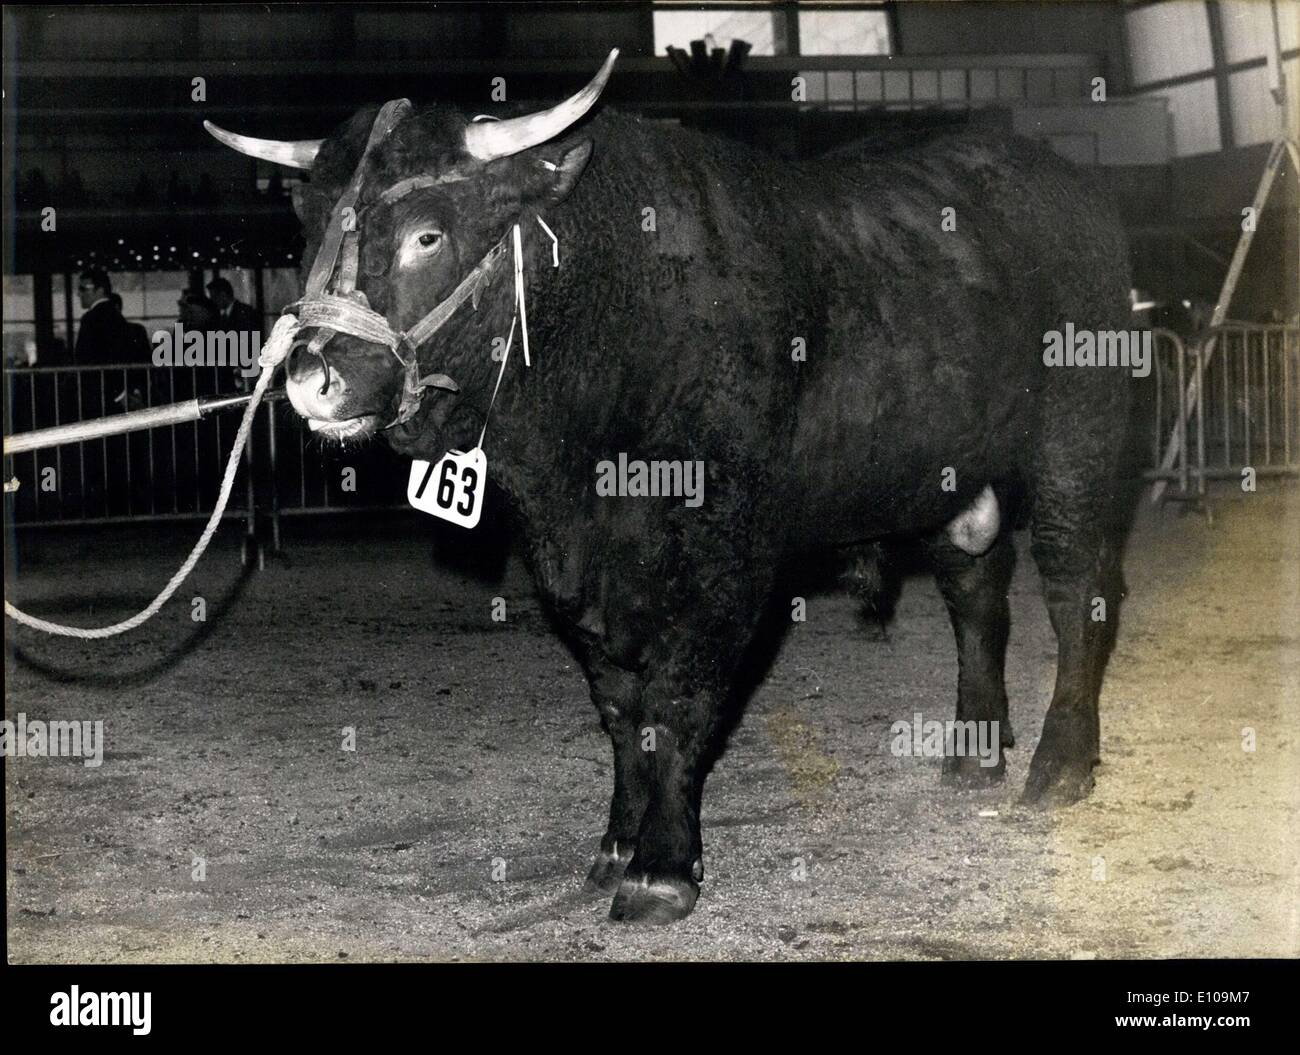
(1200, 421)
(1180, 351)
(273, 476)
(251, 550)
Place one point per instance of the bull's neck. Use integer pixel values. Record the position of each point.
(521, 422)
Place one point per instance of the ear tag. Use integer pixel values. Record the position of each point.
(450, 489)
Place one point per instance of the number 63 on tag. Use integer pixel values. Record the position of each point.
(450, 489)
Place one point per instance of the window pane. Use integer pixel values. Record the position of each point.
(129, 285)
(1011, 84)
(843, 33)
(1168, 40)
(162, 289)
(983, 84)
(1195, 111)
(870, 85)
(925, 85)
(679, 28)
(19, 344)
(56, 298)
(280, 286)
(1291, 71)
(815, 85)
(839, 85)
(1255, 116)
(1248, 27)
(952, 84)
(18, 303)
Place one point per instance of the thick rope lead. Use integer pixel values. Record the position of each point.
(273, 354)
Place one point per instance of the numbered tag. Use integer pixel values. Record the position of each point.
(450, 489)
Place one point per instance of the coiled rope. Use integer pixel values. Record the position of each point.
(274, 352)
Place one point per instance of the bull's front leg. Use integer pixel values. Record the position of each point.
(617, 696)
(710, 609)
(605, 628)
(662, 600)
(661, 882)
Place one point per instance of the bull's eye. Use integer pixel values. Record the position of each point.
(419, 246)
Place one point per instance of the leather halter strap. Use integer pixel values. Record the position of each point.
(389, 116)
(345, 309)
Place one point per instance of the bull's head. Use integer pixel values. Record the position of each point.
(437, 193)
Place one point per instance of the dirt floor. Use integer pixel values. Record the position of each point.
(462, 825)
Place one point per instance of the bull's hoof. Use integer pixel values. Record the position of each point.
(965, 771)
(641, 899)
(1053, 784)
(607, 871)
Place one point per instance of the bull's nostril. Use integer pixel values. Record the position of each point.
(300, 364)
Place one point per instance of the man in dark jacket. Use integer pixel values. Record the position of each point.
(102, 339)
(239, 318)
(101, 334)
(231, 313)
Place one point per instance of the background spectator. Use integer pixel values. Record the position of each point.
(101, 334)
(232, 314)
(196, 312)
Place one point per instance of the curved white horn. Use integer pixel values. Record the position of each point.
(298, 154)
(498, 139)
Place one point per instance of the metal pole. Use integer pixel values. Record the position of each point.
(152, 418)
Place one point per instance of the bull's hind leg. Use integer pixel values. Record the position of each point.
(974, 588)
(1081, 587)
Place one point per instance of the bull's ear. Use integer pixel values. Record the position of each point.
(558, 174)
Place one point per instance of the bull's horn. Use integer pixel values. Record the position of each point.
(486, 140)
(298, 154)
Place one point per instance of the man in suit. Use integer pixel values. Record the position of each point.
(237, 316)
(231, 313)
(102, 339)
(101, 334)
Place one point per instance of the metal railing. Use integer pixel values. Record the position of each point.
(174, 472)
(1228, 400)
(1248, 415)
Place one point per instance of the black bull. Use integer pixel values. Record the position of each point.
(847, 358)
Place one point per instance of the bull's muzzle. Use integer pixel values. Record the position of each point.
(344, 387)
